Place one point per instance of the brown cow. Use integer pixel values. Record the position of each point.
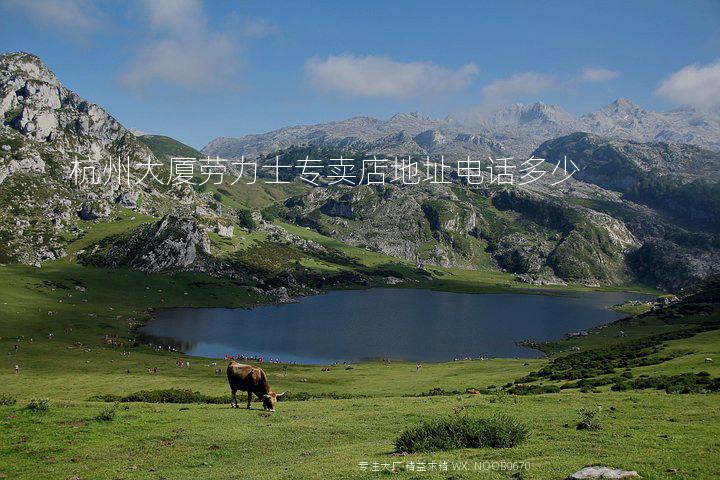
(251, 380)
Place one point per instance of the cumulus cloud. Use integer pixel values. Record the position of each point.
(74, 19)
(520, 84)
(372, 76)
(595, 75)
(695, 85)
(184, 50)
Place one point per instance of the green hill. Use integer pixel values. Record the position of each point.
(165, 148)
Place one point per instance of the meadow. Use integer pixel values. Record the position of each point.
(341, 423)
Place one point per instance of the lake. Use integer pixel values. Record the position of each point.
(414, 325)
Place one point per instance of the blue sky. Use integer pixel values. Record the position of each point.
(195, 70)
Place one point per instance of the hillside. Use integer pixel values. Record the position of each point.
(614, 223)
(164, 148)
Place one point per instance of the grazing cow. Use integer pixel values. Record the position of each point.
(708, 360)
(251, 380)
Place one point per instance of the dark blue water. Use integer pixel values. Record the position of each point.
(415, 325)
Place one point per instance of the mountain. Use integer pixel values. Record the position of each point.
(513, 130)
(620, 164)
(164, 148)
(623, 119)
(63, 160)
(635, 211)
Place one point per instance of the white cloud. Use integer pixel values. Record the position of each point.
(182, 49)
(258, 28)
(520, 84)
(372, 76)
(74, 19)
(695, 85)
(591, 74)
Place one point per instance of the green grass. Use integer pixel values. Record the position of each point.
(462, 431)
(329, 438)
(164, 148)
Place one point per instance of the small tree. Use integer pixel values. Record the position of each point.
(245, 220)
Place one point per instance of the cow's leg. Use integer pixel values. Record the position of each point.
(233, 401)
(249, 399)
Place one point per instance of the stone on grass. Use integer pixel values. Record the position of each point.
(603, 472)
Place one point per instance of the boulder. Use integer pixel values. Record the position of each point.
(225, 231)
(128, 199)
(602, 472)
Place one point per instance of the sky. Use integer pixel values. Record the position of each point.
(198, 70)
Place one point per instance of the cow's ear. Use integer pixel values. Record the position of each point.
(266, 396)
(280, 394)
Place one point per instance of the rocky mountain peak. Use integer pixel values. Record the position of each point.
(519, 114)
(35, 103)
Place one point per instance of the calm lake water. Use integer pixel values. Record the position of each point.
(415, 325)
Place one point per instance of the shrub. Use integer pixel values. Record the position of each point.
(107, 414)
(462, 432)
(7, 399)
(588, 419)
(439, 392)
(38, 405)
(533, 389)
(621, 387)
(682, 383)
(245, 219)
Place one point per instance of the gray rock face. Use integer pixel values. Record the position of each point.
(34, 102)
(45, 127)
(30, 164)
(596, 472)
(176, 243)
(94, 211)
(225, 230)
(173, 243)
(623, 119)
(128, 199)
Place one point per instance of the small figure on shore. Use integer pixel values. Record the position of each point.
(418, 367)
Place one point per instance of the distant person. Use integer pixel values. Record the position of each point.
(17, 369)
(418, 367)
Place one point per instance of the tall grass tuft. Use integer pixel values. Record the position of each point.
(462, 431)
(38, 405)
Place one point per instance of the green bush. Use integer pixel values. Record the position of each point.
(682, 383)
(38, 405)
(172, 395)
(439, 392)
(462, 432)
(245, 220)
(7, 399)
(107, 414)
(588, 419)
(533, 389)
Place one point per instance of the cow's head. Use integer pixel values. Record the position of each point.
(270, 400)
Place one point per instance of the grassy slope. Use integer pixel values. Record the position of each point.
(165, 148)
(314, 439)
